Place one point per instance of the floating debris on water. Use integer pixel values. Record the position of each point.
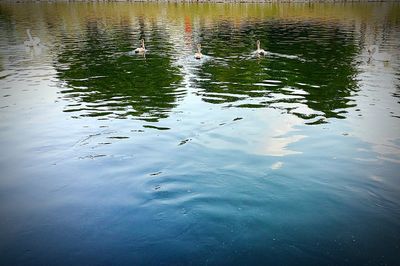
(184, 142)
(118, 137)
(156, 173)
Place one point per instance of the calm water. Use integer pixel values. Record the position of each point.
(111, 158)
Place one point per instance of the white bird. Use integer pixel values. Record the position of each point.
(141, 49)
(198, 54)
(259, 50)
(373, 52)
(35, 41)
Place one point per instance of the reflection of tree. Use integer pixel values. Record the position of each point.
(8, 34)
(103, 79)
(324, 76)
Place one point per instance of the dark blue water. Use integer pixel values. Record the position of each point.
(112, 158)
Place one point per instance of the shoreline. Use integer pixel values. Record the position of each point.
(201, 1)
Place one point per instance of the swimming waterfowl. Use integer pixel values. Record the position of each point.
(198, 54)
(259, 50)
(373, 52)
(32, 41)
(142, 48)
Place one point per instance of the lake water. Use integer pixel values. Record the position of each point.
(113, 158)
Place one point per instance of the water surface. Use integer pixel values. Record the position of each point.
(108, 157)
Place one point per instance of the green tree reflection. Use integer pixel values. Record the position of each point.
(322, 77)
(104, 80)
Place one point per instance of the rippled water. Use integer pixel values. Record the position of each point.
(108, 157)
